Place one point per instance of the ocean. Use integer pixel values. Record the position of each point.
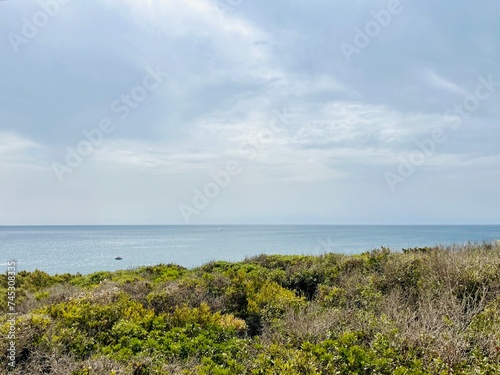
(86, 249)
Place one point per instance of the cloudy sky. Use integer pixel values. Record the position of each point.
(249, 111)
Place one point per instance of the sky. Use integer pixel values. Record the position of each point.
(249, 112)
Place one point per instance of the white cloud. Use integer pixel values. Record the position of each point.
(436, 80)
(228, 75)
(16, 149)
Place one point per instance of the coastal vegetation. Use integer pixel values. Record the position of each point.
(420, 311)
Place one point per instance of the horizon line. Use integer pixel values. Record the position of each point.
(229, 225)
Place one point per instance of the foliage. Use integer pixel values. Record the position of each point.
(430, 310)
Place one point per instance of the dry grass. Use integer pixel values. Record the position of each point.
(442, 303)
(431, 297)
(42, 363)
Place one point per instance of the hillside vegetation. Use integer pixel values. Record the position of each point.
(420, 311)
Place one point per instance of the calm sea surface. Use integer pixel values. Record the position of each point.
(88, 249)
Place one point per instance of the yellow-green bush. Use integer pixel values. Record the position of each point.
(422, 311)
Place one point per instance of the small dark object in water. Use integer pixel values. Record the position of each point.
(118, 258)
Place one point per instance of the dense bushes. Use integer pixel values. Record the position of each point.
(423, 311)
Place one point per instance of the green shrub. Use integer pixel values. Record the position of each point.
(422, 311)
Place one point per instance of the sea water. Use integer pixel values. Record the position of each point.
(85, 249)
